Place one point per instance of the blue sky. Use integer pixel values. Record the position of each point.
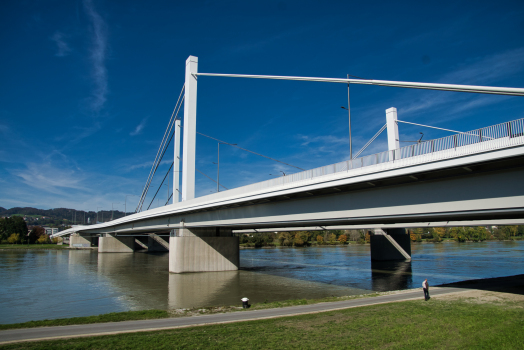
(88, 86)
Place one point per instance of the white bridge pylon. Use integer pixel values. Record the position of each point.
(190, 99)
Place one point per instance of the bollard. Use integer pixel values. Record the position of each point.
(245, 303)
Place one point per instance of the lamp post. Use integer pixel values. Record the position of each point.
(218, 162)
(112, 210)
(97, 214)
(167, 198)
(283, 174)
(125, 204)
(349, 123)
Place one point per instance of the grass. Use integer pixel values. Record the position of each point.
(153, 314)
(33, 246)
(406, 325)
(111, 317)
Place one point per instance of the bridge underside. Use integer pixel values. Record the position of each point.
(479, 191)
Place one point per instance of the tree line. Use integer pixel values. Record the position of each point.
(464, 234)
(341, 237)
(14, 230)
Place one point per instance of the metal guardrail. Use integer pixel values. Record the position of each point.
(498, 136)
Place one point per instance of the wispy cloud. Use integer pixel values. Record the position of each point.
(98, 56)
(139, 128)
(63, 48)
(487, 70)
(146, 165)
(48, 178)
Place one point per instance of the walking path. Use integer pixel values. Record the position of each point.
(85, 330)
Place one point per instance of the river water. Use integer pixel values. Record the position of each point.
(36, 285)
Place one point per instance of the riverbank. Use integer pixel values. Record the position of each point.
(34, 246)
(468, 318)
(508, 289)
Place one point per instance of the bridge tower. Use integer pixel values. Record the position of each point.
(204, 248)
(189, 148)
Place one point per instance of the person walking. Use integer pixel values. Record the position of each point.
(425, 288)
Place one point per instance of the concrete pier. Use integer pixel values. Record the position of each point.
(115, 244)
(203, 250)
(390, 244)
(78, 241)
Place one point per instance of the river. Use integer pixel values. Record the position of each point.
(37, 285)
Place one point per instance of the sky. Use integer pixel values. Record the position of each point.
(87, 87)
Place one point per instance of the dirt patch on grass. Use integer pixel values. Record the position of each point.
(486, 296)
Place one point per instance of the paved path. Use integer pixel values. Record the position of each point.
(48, 333)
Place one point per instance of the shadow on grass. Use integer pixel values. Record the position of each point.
(509, 284)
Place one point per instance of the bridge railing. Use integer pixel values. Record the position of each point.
(502, 135)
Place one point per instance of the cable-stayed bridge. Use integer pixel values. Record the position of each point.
(473, 176)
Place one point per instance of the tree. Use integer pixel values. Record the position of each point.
(320, 239)
(332, 238)
(15, 224)
(285, 239)
(510, 231)
(458, 233)
(440, 231)
(14, 238)
(342, 239)
(43, 239)
(298, 241)
(36, 233)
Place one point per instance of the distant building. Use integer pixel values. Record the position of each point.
(50, 230)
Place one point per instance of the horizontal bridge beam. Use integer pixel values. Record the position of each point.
(494, 90)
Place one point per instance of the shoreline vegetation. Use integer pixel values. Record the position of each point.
(456, 320)
(345, 237)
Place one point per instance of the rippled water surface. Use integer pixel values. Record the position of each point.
(36, 285)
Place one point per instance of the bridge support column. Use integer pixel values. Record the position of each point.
(202, 250)
(392, 128)
(155, 243)
(78, 241)
(115, 244)
(390, 244)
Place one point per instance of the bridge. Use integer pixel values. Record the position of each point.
(473, 176)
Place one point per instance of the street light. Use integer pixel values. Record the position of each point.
(283, 174)
(349, 123)
(218, 162)
(97, 215)
(112, 210)
(125, 204)
(167, 197)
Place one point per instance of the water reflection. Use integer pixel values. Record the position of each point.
(391, 275)
(189, 290)
(228, 287)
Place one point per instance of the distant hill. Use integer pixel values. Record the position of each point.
(60, 216)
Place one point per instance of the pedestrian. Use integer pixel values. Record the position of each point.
(425, 288)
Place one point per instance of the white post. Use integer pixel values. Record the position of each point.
(190, 105)
(176, 166)
(392, 126)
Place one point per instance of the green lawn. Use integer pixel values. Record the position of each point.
(406, 325)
